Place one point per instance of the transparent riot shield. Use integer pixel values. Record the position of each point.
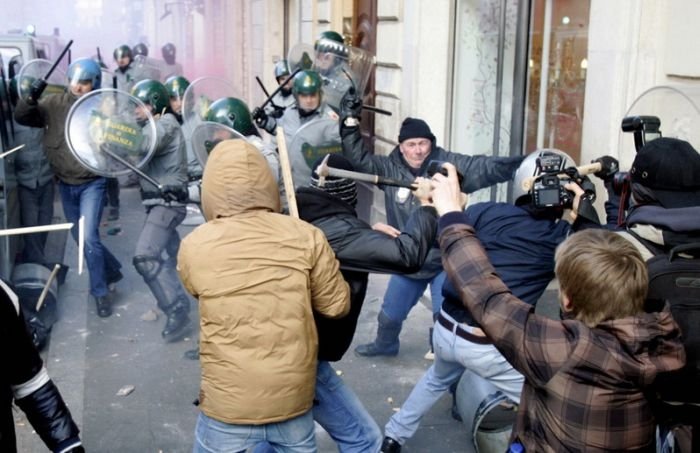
(146, 68)
(195, 103)
(300, 57)
(313, 140)
(37, 69)
(199, 96)
(341, 67)
(678, 108)
(207, 135)
(110, 132)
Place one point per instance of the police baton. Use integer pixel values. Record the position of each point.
(130, 166)
(58, 60)
(266, 92)
(269, 98)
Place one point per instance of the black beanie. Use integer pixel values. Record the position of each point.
(343, 188)
(415, 128)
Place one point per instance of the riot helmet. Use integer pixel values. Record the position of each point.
(168, 51)
(152, 93)
(307, 84)
(123, 51)
(176, 86)
(282, 76)
(330, 41)
(84, 70)
(140, 49)
(234, 113)
(531, 167)
(281, 70)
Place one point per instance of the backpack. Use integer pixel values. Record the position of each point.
(674, 277)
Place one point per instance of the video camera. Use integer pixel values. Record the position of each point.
(548, 189)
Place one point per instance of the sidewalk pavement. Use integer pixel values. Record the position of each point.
(91, 359)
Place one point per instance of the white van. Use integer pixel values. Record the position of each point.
(26, 47)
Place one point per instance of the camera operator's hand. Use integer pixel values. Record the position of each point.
(422, 190)
(446, 194)
(583, 202)
(609, 166)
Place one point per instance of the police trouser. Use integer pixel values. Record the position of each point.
(155, 257)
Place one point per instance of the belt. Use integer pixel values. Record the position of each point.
(460, 332)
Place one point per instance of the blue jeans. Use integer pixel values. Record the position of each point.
(339, 411)
(293, 435)
(87, 200)
(402, 293)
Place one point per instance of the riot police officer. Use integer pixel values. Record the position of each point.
(123, 75)
(165, 210)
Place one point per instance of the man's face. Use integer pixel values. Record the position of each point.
(81, 87)
(142, 111)
(415, 151)
(325, 61)
(123, 62)
(309, 102)
(287, 82)
(176, 104)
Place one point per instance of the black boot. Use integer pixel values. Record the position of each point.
(178, 323)
(389, 445)
(387, 341)
(104, 306)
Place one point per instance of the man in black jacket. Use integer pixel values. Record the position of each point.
(409, 159)
(360, 250)
(28, 384)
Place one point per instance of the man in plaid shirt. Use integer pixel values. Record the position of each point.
(585, 376)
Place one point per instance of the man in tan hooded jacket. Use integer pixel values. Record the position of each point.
(259, 276)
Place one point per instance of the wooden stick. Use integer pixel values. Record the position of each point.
(45, 291)
(7, 153)
(81, 244)
(287, 173)
(36, 229)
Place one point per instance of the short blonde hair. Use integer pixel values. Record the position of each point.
(602, 274)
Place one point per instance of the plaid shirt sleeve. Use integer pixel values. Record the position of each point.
(536, 346)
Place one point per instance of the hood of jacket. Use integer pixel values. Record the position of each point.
(237, 180)
(652, 341)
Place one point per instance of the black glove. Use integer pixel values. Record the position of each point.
(277, 112)
(609, 166)
(174, 193)
(350, 105)
(37, 87)
(260, 117)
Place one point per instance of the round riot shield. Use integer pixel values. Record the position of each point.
(341, 67)
(37, 69)
(300, 57)
(314, 139)
(146, 68)
(110, 132)
(207, 135)
(198, 97)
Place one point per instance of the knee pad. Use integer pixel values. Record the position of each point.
(147, 266)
